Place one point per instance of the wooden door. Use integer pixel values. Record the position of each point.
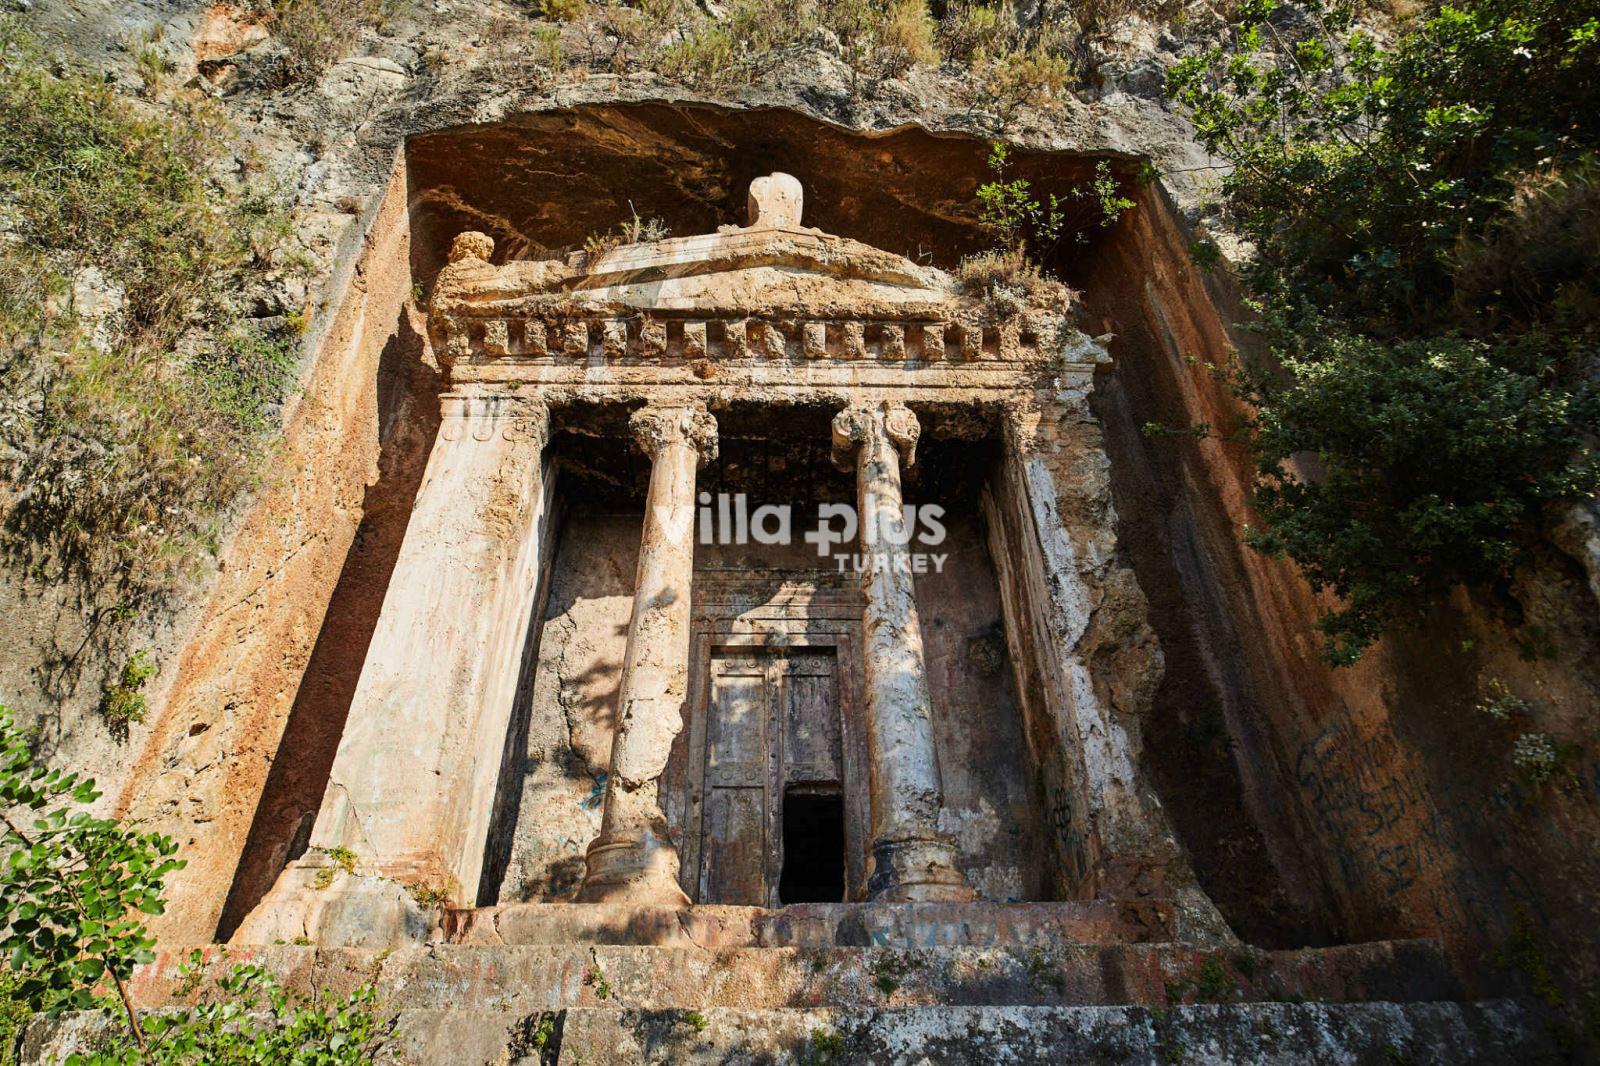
(772, 721)
(737, 830)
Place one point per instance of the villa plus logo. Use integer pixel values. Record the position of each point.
(881, 536)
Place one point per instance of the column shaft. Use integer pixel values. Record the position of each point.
(633, 859)
(912, 859)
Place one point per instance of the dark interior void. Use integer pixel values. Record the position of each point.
(774, 453)
(813, 847)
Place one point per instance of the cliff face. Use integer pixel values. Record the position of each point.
(1318, 806)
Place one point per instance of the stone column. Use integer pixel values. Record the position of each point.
(633, 860)
(912, 859)
(411, 791)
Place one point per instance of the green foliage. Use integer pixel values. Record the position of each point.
(122, 702)
(344, 861)
(1424, 217)
(431, 896)
(1034, 227)
(596, 977)
(251, 1020)
(137, 399)
(74, 890)
(70, 885)
(877, 38)
(1501, 704)
(342, 857)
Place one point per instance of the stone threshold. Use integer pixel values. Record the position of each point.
(818, 925)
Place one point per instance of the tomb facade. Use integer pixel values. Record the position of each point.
(749, 569)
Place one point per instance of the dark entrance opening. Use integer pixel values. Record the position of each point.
(813, 848)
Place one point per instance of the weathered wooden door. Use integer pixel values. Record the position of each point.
(772, 726)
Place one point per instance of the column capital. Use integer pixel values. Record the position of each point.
(655, 426)
(856, 425)
(484, 416)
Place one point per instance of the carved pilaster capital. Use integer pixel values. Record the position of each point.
(1019, 426)
(857, 425)
(477, 417)
(690, 423)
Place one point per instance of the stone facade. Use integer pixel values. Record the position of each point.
(772, 735)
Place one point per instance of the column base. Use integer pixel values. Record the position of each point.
(632, 871)
(917, 871)
(321, 903)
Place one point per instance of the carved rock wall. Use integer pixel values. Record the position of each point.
(1385, 802)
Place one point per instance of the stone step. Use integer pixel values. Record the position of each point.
(1258, 1034)
(816, 925)
(1485, 1033)
(554, 977)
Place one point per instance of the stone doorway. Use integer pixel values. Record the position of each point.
(772, 758)
(772, 730)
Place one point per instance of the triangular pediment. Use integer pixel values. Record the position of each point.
(773, 266)
(772, 292)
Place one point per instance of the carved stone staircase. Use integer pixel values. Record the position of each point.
(882, 984)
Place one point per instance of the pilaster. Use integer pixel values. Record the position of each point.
(411, 791)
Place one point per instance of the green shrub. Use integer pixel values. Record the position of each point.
(877, 38)
(970, 31)
(73, 892)
(1424, 218)
(1024, 224)
(122, 702)
(137, 400)
(906, 37)
(563, 10)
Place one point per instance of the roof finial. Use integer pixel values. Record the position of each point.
(775, 200)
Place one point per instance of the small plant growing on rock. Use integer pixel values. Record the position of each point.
(1044, 973)
(431, 896)
(889, 971)
(1029, 229)
(1500, 704)
(1536, 757)
(318, 33)
(342, 857)
(635, 230)
(824, 1047)
(343, 860)
(122, 702)
(596, 978)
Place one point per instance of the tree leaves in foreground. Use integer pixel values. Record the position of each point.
(74, 890)
(1426, 217)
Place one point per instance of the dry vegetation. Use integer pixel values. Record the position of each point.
(137, 397)
(1004, 63)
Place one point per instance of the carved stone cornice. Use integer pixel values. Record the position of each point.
(656, 426)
